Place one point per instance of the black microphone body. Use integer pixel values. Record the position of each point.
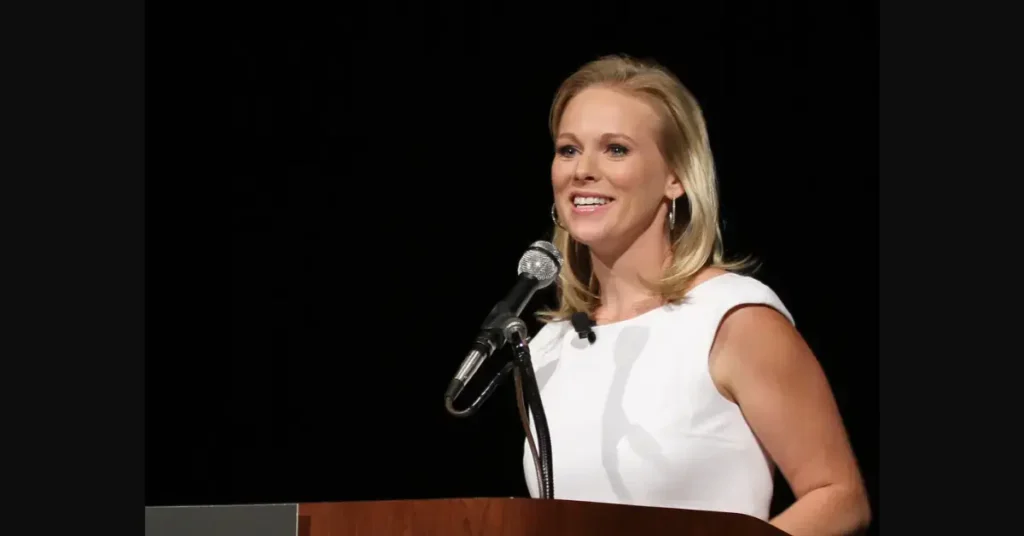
(491, 336)
(538, 269)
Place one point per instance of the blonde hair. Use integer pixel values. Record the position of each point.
(696, 242)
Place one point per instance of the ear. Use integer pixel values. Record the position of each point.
(674, 187)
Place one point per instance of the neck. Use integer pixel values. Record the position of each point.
(621, 274)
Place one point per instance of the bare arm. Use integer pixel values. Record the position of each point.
(762, 363)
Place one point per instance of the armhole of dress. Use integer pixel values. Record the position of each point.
(765, 297)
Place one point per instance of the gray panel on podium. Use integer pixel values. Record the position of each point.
(223, 520)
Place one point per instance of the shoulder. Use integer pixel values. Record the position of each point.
(749, 325)
(730, 292)
(756, 342)
(756, 335)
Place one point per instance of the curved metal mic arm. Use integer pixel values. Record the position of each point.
(514, 330)
(449, 402)
(507, 323)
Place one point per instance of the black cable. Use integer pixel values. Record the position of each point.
(532, 394)
(449, 402)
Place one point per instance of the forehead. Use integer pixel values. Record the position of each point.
(597, 111)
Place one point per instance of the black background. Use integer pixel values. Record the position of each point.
(334, 201)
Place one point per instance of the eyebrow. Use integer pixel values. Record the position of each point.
(604, 137)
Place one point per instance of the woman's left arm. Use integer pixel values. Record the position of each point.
(763, 364)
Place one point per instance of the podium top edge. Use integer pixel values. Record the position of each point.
(245, 505)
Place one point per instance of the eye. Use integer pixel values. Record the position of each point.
(566, 151)
(618, 150)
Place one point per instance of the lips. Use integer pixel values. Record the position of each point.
(590, 203)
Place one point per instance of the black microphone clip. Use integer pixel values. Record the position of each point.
(582, 324)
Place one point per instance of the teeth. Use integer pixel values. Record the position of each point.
(580, 201)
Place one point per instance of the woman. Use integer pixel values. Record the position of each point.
(698, 385)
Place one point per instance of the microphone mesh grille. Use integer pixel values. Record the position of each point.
(542, 266)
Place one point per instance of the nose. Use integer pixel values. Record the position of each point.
(586, 169)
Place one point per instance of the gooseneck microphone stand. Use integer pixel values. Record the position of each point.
(514, 330)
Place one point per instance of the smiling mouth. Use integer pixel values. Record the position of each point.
(590, 201)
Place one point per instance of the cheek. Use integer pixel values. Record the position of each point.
(629, 177)
(561, 174)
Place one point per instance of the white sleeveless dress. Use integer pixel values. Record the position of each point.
(635, 418)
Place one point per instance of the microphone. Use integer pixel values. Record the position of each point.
(538, 268)
(582, 324)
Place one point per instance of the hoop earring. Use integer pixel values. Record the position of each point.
(554, 217)
(672, 215)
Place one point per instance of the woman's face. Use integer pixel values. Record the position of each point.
(609, 177)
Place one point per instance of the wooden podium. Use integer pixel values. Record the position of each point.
(516, 517)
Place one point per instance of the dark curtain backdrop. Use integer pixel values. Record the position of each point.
(336, 198)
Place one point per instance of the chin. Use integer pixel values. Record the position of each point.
(588, 236)
(593, 228)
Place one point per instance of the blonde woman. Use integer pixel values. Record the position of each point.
(697, 386)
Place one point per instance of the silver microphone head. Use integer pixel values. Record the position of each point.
(542, 261)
